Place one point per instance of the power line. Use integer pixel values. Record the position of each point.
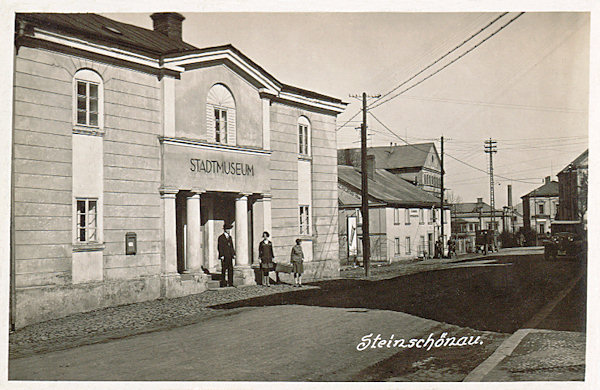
(439, 59)
(447, 65)
(447, 155)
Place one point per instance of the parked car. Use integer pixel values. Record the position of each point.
(563, 244)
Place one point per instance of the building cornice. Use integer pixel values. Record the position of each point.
(210, 146)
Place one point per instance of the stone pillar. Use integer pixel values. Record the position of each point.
(169, 264)
(241, 230)
(210, 236)
(267, 213)
(193, 238)
(243, 272)
(262, 221)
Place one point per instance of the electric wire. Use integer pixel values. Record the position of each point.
(379, 103)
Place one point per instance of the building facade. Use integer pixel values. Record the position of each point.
(404, 221)
(540, 207)
(572, 190)
(470, 217)
(131, 150)
(418, 164)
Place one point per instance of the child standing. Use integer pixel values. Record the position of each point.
(297, 258)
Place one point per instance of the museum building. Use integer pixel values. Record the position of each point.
(132, 149)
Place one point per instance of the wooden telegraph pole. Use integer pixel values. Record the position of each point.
(364, 189)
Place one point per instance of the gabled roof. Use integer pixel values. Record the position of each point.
(548, 189)
(155, 51)
(100, 29)
(471, 208)
(580, 162)
(387, 187)
(393, 157)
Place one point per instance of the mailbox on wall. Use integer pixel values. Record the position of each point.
(130, 243)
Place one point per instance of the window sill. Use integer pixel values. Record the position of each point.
(406, 224)
(88, 130)
(90, 247)
(304, 157)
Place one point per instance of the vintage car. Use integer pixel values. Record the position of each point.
(563, 244)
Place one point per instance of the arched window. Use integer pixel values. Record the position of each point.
(88, 100)
(303, 136)
(220, 115)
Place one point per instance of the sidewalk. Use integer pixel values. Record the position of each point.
(543, 355)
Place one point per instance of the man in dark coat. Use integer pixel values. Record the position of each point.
(226, 255)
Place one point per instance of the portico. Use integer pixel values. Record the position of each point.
(205, 187)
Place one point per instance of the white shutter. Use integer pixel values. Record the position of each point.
(231, 130)
(210, 123)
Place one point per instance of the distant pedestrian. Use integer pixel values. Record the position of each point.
(297, 258)
(266, 256)
(226, 255)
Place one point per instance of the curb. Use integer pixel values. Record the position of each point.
(508, 346)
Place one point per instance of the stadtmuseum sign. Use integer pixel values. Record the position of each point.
(215, 168)
(221, 167)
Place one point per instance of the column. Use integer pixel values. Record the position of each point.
(169, 263)
(193, 239)
(267, 212)
(210, 236)
(243, 273)
(241, 230)
(261, 221)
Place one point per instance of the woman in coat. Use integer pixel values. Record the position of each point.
(266, 256)
(297, 258)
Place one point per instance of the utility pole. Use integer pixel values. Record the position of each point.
(490, 148)
(364, 189)
(442, 197)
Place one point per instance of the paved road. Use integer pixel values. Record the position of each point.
(283, 343)
(311, 335)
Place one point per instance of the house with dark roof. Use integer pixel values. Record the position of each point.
(468, 218)
(418, 164)
(133, 149)
(572, 190)
(540, 207)
(404, 220)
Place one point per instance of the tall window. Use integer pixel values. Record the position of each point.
(303, 136)
(407, 216)
(407, 246)
(220, 126)
(87, 226)
(542, 228)
(421, 216)
(220, 115)
(397, 245)
(88, 99)
(422, 246)
(541, 208)
(304, 219)
(396, 216)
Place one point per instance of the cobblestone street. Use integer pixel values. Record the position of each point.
(122, 321)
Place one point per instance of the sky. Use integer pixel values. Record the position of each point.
(527, 87)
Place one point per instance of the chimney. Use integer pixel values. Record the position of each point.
(479, 200)
(510, 195)
(370, 166)
(547, 180)
(168, 23)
